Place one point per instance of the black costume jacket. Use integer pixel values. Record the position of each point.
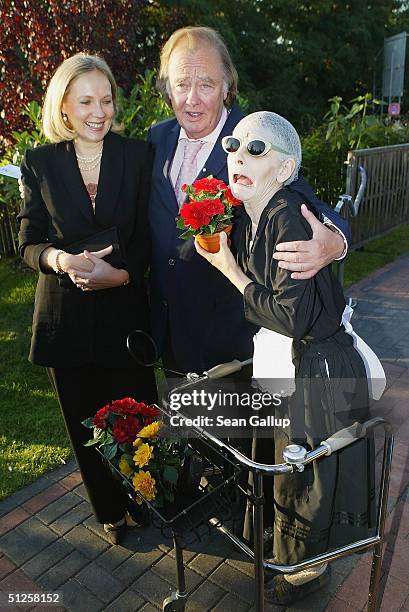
(72, 327)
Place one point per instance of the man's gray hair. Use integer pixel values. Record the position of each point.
(280, 133)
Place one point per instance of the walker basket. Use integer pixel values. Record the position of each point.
(187, 517)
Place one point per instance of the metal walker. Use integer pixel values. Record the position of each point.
(295, 458)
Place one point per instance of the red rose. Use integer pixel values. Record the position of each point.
(213, 207)
(194, 214)
(230, 197)
(100, 418)
(127, 405)
(125, 429)
(210, 185)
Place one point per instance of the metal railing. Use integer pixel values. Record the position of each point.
(385, 204)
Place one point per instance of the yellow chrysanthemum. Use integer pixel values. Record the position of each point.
(150, 431)
(124, 467)
(145, 484)
(143, 455)
(137, 442)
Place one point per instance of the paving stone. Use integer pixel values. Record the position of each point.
(16, 499)
(47, 558)
(62, 471)
(78, 599)
(354, 589)
(13, 544)
(37, 534)
(132, 568)
(205, 597)
(63, 571)
(233, 580)
(129, 601)
(204, 564)
(215, 545)
(230, 603)
(21, 545)
(188, 555)
(6, 567)
(12, 519)
(100, 582)
(19, 582)
(153, 588)
(71, 481)
(41, 500)
(148, 607)
(81, 491)
(345, 565)
(86, 542)
(62, 505)
(394, 594)
(247, 567)
(71, 519)
(318, 601)
(166, 568)
(114, 556)
(337, 605)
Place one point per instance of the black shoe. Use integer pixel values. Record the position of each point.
(116, 531)
(282, 593)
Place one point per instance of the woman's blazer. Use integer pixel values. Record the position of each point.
(73, 327)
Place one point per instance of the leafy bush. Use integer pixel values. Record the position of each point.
(325, 149)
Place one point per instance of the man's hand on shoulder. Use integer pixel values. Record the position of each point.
(306, 257)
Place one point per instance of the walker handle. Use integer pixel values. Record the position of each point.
(224, 369)
(343, 438)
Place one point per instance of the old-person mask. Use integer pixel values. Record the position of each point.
(257, 177)
(253, 178)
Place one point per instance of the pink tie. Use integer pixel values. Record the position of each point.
(188, 169)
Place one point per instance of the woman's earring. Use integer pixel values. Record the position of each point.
(65, 117)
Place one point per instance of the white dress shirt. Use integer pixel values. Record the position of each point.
(209, 142)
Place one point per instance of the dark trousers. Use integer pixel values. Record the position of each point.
(81, 391)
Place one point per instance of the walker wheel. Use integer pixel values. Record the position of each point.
(173, 604)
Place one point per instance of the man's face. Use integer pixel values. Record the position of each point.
(197, 89)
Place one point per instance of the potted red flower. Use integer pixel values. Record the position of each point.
(208, 211)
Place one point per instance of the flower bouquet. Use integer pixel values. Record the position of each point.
(127, 433)
(208, 211)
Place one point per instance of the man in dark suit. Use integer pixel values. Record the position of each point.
(197, 316)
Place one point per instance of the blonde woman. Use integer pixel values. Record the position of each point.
(88, 189)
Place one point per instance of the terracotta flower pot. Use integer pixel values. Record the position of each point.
(211, 242)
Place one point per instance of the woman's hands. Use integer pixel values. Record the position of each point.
(225, 262)
(102, 275)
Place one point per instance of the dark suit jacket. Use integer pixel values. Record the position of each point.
(192, 301)
(72, 327)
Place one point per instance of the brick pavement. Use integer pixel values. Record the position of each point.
(49, 540)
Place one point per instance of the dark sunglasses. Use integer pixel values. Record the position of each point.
(257, 148)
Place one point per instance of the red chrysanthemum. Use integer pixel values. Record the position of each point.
(213, 207)
(194, 214)
(127, 405)
(208, 185)
(125, 430)
(148, 411)
(230, 197)
(100, 418)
